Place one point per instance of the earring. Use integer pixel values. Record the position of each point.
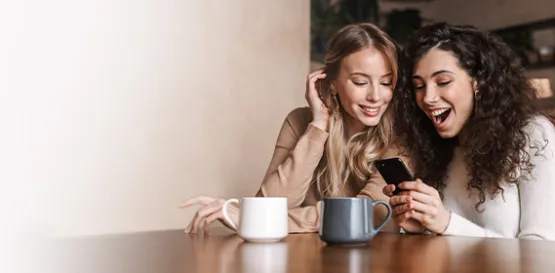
(336, 107)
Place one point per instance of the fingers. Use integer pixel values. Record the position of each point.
(424, 219)
(188, 229)
(201, 199)
(202, 213)
(211, 218)
(402, 208)
(316, 72)
(399, 199)
(401, 218)
(421, 207)
(313, 77)
(388, 190)
(312, 84)
(421, 197)
(419, 186)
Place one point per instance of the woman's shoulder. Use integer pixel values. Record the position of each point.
(541, 135)
(300, 113)
(299, 118)
(540, 126)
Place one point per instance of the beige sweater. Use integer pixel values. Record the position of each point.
(298, 151)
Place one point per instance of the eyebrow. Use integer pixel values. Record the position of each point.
(367, 76)
(434, 74)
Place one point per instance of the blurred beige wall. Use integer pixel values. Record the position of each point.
(119, 110)
(489, 14)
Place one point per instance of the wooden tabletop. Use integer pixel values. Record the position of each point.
(222, 251)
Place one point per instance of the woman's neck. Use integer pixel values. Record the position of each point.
(464, 134)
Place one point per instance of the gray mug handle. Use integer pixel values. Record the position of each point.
(374, 231)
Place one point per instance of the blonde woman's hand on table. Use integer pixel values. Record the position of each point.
(210, 211)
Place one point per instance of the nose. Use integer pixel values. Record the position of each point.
(431, 95)
(373, 93)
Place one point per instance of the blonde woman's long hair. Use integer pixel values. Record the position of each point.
(347, 164)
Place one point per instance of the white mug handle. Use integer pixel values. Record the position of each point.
(226, 215)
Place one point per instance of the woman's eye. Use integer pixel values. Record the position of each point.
(443, 83)
(386, 83)
(359, 83)
(418, 86)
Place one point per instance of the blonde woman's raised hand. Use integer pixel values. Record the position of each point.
(320, 113)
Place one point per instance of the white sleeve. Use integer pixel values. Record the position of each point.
(459, 225)
(537, 209)
(537, 194)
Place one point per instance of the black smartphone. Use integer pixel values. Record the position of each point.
(393, 171)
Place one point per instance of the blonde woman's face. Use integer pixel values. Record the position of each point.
(364, 85)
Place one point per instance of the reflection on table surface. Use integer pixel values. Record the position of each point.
(222, 251)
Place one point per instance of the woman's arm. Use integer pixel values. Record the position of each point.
(537, 216)
(307, 218)
(537, 213)
(298, 151)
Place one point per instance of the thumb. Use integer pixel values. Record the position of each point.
(388, 190)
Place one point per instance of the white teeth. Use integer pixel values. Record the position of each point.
(437, 115)
(370, 109)
(439, 112)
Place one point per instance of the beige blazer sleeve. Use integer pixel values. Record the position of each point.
(298, 151)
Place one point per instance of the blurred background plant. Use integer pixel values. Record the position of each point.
(327, 16)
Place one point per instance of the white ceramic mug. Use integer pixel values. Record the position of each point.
(261, 219)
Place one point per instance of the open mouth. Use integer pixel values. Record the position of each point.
(440, 116)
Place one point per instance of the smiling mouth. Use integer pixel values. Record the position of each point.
(439, 116)
(370, 109)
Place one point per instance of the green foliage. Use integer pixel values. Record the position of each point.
(327, 19)
(520, 39)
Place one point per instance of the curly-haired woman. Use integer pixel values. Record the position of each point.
(482, 152)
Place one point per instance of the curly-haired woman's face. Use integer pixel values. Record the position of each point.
(364, 85)
(444, 91)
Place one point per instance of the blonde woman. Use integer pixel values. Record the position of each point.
(328, 148)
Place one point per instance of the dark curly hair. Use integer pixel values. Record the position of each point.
(496, 143)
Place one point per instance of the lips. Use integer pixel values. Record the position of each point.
(369, 111)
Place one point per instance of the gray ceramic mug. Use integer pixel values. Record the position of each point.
(349, 220)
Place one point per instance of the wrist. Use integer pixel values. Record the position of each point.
(320, 124)
(446, 222)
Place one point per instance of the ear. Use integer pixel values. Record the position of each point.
(475, 86)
